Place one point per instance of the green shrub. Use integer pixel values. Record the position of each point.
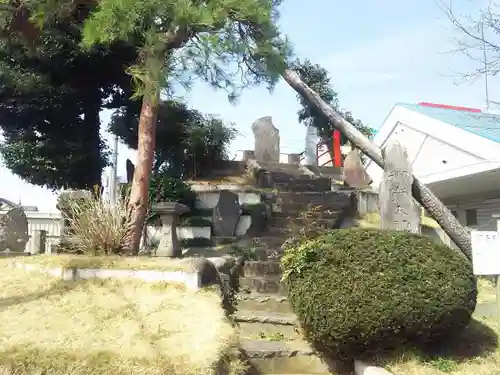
(357, 291)
(163, 187)
(194, 221)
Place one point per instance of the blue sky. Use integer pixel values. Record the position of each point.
(378, 52)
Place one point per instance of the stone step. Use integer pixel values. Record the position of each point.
(272, 167)
(293, 207)
(261, 255)
(295, 214)
(266, 317)
(267, 331)
(316, 197)
(283, 357)
(266, 325)
(327, 219)
(294, 186)
(261, 268)
(333, 172)
(266, 285)
(261, 241)
(264, 302)
(279, 176)
(251, 253)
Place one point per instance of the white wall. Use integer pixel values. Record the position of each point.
(486, 205)
(50, 222)
(439, 157)
(428, 155)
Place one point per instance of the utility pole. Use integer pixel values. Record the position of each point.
(114, 172)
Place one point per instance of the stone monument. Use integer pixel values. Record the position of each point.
(226, 214)
(14, 230)
(129, 166)
(398, 210)
(354, 174)
(267, 140)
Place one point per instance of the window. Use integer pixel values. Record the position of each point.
(471, 217)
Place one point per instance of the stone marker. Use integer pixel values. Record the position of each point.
(398, 210)
(169, 213)
(129, 166)
(14, 230)
(39, 241)
(248, 155)
(267, 140)
(226, 214)
(354, 173)
(293, 159)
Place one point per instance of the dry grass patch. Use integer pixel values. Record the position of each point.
(110, 262)
(487, 290)
(109, 327)
(475, 351)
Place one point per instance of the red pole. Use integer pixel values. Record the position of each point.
(337, 156)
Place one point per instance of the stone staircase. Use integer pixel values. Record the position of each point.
(269, 333)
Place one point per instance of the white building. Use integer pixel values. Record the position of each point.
(455, 151)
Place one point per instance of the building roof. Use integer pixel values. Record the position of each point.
(472, 120)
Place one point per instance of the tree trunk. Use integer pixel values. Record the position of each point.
(422, 194)
(138, 203)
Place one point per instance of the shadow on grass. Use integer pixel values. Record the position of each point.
(58, 287)
(477, 340)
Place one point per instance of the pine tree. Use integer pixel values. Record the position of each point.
(230, 43)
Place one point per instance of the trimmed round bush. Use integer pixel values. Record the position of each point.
(357, 291)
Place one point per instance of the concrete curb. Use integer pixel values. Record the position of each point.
(362, 368)
(205, 271)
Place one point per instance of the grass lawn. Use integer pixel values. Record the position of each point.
(111, 262)
(474, 352)
(114, 327)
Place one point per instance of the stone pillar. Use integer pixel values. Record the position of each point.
(248, 155)
(311, 150)
(398, 210)
(267, 140)
(169, 213)
(293, 158)
(39, 241)
(354, 174)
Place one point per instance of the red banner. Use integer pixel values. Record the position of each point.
(337, 155)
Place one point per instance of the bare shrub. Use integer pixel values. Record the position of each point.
(96, 226)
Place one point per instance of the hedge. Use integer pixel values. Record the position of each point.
(357, 291)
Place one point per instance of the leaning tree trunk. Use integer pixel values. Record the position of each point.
(138, 202)
(422, 194)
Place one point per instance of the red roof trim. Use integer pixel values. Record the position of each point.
(444, 106)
